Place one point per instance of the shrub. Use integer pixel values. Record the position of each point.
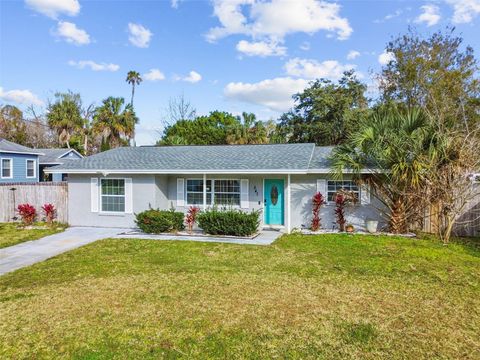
(229, 222)
(191, 217)
(342, 199)
(317, 202)
(50, 212)
(154, 221)
(28, 213)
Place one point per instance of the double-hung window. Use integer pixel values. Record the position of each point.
(7, 168)
(195, 192)
(334, 186)
(219, 192)
(31, 173)
(227, 192)
(113, 195)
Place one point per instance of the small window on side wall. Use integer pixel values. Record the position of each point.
(333, 186)
(113, 195)
(6, 165)
(31, 169)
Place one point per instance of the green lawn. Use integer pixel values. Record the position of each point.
(305, 297)
(12, 233)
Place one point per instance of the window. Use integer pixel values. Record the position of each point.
(7, 168)
(31, 169)
(220, 192)
(195, 192)
(113, 195)
(227, 192)
(335, 186)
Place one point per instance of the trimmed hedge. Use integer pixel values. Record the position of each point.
(158, 221)
(229, 222)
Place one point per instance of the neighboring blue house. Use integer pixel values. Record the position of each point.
(53, 157)
(18, 163)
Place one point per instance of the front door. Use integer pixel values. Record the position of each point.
(273, 200)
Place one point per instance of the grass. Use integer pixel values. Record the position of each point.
(305, 297)
(12, 233)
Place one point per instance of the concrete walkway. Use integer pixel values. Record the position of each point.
(266, 237)
(31, 252)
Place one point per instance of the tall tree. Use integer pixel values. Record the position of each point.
(203, 130)
(437, 73)
(247, 131)
(64, 116)
(326, 112)
(114, 122)
(133, 78)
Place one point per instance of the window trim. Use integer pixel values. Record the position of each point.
(333, 202)
(34, 176)
(212, 192)
(11, 168)
(196, 192)
(104, 212)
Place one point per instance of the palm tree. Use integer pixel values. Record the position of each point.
(247, 131)
(64, 116)
(401, 146)
(133, 78)
(114, 122)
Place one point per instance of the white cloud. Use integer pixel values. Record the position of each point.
(276, 94)
(387, 17)
(154, 75)
(312, 69)
(25, 97)
(192, 77)
(430, 15)
(305, 46)
(174, 3)
(261, 48)
(353, 54)
(139, 35)
(464, 11)
(273, 20)
(53, 8)
(72, 34)
(93, 65)
(385, 57)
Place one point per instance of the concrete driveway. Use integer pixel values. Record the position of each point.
(31, 252)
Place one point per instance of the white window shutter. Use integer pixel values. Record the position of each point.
(244, 194)
(322, 187)
(365, 194)
(94, 194)
(180, 192)
(128, 196)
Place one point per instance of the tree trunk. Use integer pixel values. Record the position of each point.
(133, 93)
(397, 220)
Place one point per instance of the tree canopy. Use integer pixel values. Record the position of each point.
(325, 112)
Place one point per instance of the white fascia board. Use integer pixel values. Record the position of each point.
(346, 171)
(174, 172)
(21, 152)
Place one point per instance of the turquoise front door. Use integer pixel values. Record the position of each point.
(273, 201)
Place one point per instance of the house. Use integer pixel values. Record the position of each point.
(18, 163)
(108, 188)
(53, 157)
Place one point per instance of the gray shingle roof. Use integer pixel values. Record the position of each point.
(53, 156)
(11, 147)
(278, 157)
(321, 157)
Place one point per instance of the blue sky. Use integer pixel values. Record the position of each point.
(237, 55)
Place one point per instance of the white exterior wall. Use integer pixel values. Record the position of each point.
(160, 191)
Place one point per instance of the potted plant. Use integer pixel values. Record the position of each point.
(349, 228)
(371, 225)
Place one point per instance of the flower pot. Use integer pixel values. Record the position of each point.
(371, 226)
(349, 228)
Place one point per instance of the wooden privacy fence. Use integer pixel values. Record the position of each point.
(467, 224)
(36, 194)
